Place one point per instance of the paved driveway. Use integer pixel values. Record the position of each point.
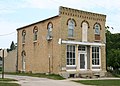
(34, 81)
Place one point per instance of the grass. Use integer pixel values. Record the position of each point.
(6, 79)
(7, 82)
(100, 82)
(41, 75)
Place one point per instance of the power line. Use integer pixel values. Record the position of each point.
(8, 34)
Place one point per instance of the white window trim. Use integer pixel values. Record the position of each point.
(71, 66)
(75, 57)
(69, 35)
(99, 60)
(96, 69)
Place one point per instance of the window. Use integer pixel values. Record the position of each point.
(84, 31)
(23, 60)
(23, 36)
(49, 34)
(35, 31)
(97, 29)
(71, 25)
(70, 55)
(81, 48)
(95, 56)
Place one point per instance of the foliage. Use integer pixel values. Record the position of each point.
(113, 49)
(100, 82)
(114, 58)
(12, 47)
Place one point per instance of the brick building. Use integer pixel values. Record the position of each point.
(71, 44)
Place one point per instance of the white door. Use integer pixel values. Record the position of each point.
(82, 61)
(84, 31)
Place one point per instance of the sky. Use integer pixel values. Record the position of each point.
(18, 13)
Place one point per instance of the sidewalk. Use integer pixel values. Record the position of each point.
(105, 78)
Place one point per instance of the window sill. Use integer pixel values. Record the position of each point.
(35, 41)
(23, 43)
(96, 69)
(96, 66)
(70, 65)
(72, 38)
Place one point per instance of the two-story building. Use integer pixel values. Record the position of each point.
(71, 43)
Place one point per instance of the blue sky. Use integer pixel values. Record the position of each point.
(18, 13)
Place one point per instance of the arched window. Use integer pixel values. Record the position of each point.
(49, 28)
(97, 29)
(23, 60)
(23, 36)
(84, 31)
(71, 26)
(35, 31)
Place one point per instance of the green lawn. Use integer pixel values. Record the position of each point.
(41, 75)
(6, 79)
(100, 82)
(7, 82)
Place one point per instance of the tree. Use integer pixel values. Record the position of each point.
(113, 49)
(114, 59)
(12, 47)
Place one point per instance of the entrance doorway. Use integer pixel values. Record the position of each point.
(82, 57)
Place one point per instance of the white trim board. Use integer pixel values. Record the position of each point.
(82, 43)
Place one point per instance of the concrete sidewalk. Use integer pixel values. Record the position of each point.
(35, 81)
(105, 78)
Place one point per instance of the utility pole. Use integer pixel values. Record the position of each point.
(3, 64)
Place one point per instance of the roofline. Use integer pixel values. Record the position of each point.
(82, 11)
(37, 22)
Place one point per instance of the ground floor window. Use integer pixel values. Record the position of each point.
(95, 56)
(70, 54)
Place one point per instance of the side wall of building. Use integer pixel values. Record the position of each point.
(41, 56)
(10, 61)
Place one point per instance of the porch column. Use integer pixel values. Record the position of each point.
(77, 67)
(90, 57)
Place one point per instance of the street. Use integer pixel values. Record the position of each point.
(35, 81)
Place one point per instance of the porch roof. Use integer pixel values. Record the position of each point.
(82, 43)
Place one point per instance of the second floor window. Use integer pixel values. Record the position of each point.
(23, 36)
(71, 25)
(35, 32)
(50, 29)
(49, 33)
(97, 29)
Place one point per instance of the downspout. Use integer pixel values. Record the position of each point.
(17, 54)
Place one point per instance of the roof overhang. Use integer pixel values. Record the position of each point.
(82, 43)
